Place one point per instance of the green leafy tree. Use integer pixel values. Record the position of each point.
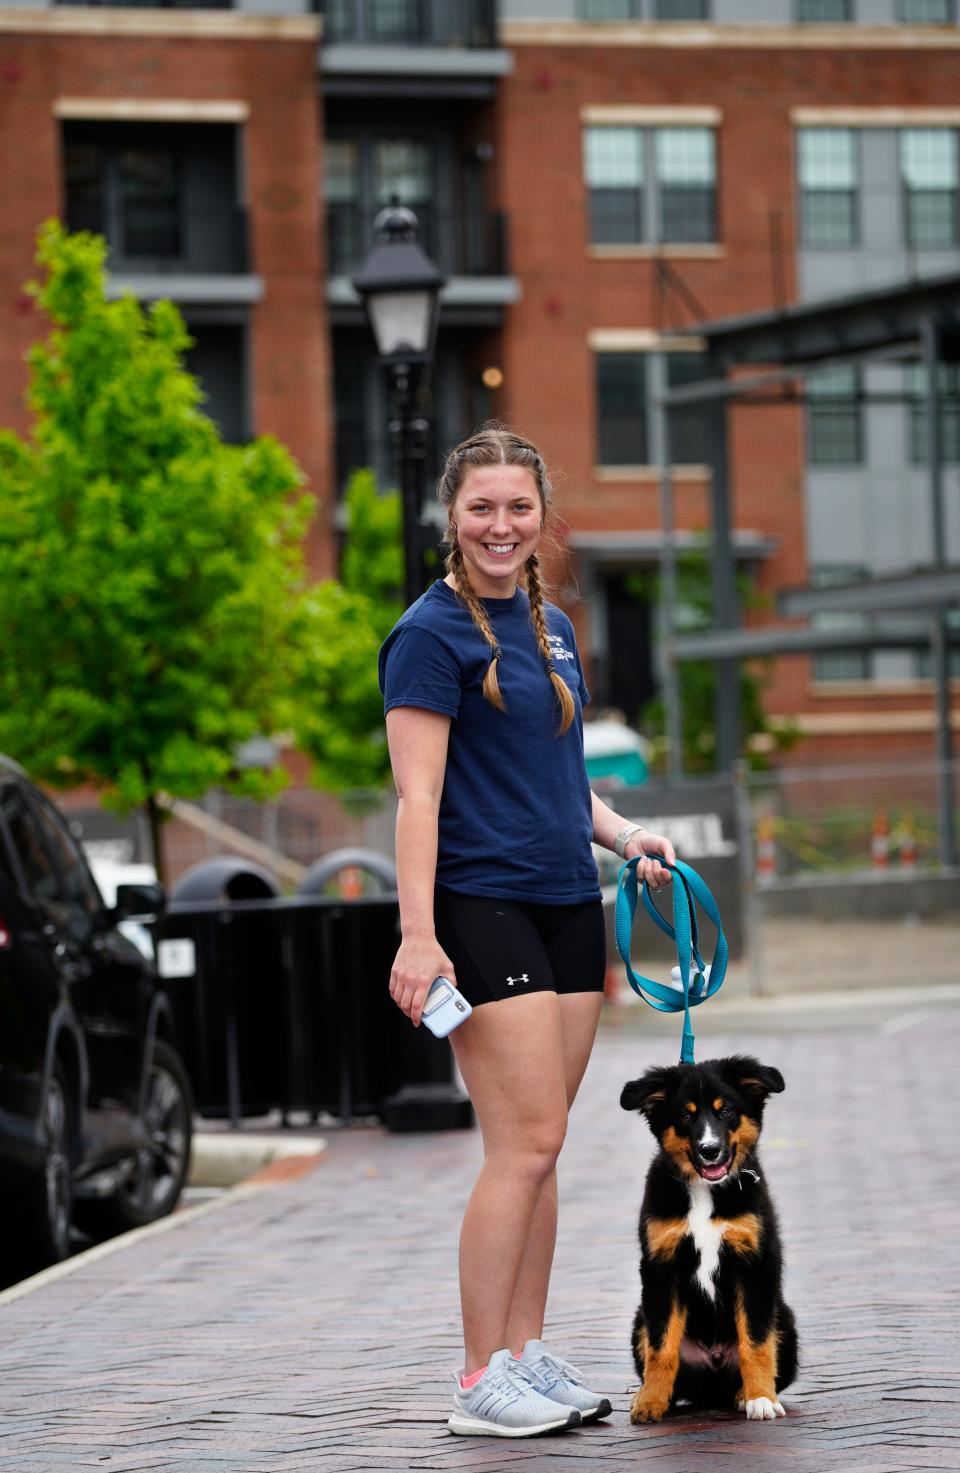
(339, 707)
(149, 573)
(698, 678)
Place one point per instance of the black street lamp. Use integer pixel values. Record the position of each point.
(400, 289)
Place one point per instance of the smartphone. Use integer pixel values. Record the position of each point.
(445, 1008)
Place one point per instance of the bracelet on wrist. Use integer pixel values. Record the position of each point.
(624, 836)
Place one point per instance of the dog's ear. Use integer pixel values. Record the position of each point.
(650, 1090)
(751, 1077)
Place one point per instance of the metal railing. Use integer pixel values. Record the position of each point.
(168, 237)
(412, 22)
(462, 242)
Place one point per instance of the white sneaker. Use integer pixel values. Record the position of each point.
(562, 1382)
(505, 1403)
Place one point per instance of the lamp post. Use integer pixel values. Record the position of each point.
(400, 289)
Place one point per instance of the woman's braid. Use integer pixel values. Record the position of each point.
(538, 618)
(491, 685)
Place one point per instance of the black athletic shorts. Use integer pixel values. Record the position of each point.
(502, 948)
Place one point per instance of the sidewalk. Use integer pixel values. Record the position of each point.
(312, 1325)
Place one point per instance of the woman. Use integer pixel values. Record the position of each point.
(498, 891)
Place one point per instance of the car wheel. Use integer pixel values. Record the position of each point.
(42, 1232)
(153, 1179)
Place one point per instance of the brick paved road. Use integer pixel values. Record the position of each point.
(301, 1329)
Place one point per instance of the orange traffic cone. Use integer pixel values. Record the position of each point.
(880, 841)
(766, 850)
(350, 882)
(908, 846)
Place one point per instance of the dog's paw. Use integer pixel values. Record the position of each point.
(762, 1409)
(643, 1410)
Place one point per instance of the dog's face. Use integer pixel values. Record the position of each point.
(707, 1117)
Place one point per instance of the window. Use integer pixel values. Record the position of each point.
(164, 195)
(680, 10)
(150, 205)
(834, 419)
(687, 429)
(824, 10)
(685, 175)
(926, 12)
(363, 175)
(39, 871)
(218, 359)
(77, 886)
(622, 409)
(609, 9)
(827, 170)
(840, 664)
(949, 403)
(676, 165)
(614, 170)
(625, 411)
(928, 165)
(374, 20)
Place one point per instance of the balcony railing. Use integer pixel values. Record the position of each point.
(156, 4)
(163, 237)
(412, 22)
(472, 243)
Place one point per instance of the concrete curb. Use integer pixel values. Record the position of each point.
(224, 1158)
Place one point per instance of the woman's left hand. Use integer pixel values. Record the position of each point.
(650, 868)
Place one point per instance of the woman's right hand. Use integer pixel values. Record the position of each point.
(419, 961)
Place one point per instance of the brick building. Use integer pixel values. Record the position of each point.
(595, 177)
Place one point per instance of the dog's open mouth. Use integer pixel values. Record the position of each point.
(717, 1172)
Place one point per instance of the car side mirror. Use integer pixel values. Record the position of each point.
(145, 902)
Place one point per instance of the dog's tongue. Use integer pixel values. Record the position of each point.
(714, 1173)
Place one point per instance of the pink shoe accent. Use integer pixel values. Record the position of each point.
(467, 1381)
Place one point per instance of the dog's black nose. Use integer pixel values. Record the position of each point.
(713, 1152)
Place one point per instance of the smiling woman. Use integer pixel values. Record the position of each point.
(484, 694)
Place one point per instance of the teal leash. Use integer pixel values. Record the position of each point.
(689, 890)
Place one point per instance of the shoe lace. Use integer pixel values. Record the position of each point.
(558, 1369)
(504, 1383)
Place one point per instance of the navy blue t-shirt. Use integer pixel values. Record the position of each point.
(515, 812)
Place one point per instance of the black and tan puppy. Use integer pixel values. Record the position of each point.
(712, 1328)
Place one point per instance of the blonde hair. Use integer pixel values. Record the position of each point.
(494, 444)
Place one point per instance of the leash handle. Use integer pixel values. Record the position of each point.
(689, 890)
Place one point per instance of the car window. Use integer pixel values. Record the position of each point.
(77, 886)
(7, 870)
(39, 871)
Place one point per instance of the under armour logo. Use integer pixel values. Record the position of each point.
(522, 978)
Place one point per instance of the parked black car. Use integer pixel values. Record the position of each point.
(95, 1104)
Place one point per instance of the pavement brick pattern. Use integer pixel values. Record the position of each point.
(313, 1326)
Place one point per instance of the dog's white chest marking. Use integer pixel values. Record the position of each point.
(707, 1236)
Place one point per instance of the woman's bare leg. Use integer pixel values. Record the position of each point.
(511, 1056)
(579, 1016)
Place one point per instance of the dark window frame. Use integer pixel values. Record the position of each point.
(683, 420)
(654, 197)
(949, 19)
(826, 413)
(812, 236)
(834, 665)
(803, 15)
(912, 195)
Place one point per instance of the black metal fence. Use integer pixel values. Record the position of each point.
(283, 1004)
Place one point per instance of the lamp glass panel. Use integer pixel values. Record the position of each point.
(401, 321)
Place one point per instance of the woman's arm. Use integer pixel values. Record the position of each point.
(606, 827)
(418, 755)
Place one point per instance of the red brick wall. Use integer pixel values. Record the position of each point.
(549, 388)
(278, 80)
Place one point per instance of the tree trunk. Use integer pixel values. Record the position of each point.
(156, 816)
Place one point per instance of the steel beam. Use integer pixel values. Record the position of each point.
(908, 591)
(746, 644)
